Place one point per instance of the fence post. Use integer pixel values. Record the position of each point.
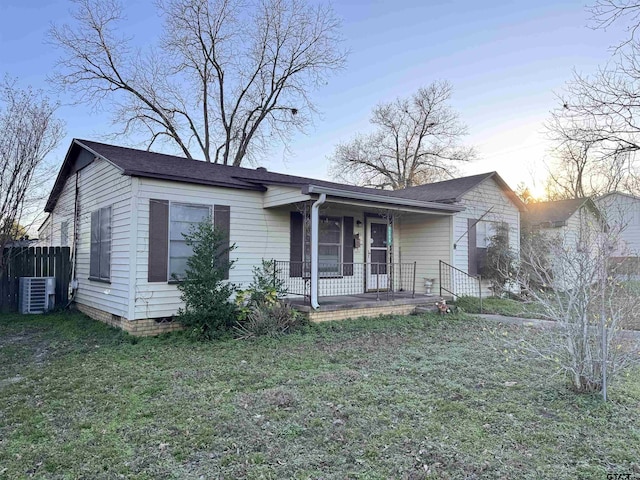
(275, 272)
(413, 293)
(377, 281)
(480, 291)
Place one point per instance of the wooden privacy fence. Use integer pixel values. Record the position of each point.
(34, 262)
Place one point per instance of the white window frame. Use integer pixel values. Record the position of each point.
(171, 205)
(101, 241)
(306, 255)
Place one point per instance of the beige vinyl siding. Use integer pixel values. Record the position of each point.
(258, 234)
(100, 184)
(487, 195)
(425, 240)
(277, 195)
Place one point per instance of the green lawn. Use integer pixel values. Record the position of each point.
(404, 397)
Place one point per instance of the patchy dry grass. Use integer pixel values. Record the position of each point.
(403, 397)
(500, 306)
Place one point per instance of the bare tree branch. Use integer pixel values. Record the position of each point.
(417, 140)
(29, 131)
(229, 77)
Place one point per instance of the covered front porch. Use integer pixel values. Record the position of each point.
(361, 253)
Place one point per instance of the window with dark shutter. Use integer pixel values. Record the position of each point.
(183, 218)
(100, 253)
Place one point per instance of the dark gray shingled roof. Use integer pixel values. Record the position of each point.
(555, 213)
(142, 163)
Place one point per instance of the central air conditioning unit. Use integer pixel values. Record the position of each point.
(37, 294)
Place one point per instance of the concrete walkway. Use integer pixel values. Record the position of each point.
(543, 324)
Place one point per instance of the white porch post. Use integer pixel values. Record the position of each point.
(315, 225)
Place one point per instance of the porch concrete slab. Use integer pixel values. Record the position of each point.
(364, 300)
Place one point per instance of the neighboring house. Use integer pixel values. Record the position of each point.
(563, 217)
(123, 212)
(575, 227)
(622, 212)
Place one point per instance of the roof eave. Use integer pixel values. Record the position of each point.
(374, 198)
(195, 181)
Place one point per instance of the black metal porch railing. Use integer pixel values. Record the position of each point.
(341, 279)
(459, 283)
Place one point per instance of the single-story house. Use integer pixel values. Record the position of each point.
(622, 212)
(123, 212)
(575, 228)
(564, 218)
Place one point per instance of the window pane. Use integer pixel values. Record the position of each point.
(179, 252)
(329, 253)
(184, 219)
(330, 229)
(378, 234)
(180, 249)
(189, 213)
(178, 266)
(178, 230)
(105, 223)
(64, 234)
(105, 259)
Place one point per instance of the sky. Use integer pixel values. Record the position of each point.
(507, 62)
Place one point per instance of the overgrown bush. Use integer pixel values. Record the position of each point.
(261, 311)
(500, 267)
(265, 289)
(208, 312)
(270, 320)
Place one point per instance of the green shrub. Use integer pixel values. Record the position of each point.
(270, 320)
(265, 289)
(500, 265)
(208, 312)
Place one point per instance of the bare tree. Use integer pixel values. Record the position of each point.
(596, 130)
(29, 131)
(571, 277)
(416, 140)
(581, 165)
(228, 76)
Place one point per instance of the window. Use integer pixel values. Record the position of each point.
(329, 246)
(100, 256)
(484, 232)
(182, 219)
(64, 234)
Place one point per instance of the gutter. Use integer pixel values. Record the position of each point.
(370, 197)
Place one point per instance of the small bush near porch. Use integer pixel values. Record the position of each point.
(403, 397)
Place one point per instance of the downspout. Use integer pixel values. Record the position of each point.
(315, 225)
(74, 245)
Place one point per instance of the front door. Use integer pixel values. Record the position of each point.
(377, 255)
